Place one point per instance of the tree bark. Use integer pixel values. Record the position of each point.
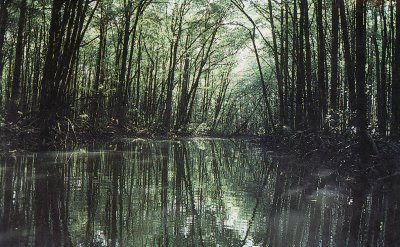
(4, 4)
(334, 56)
(263, 84)
(300, 82)
(377, 72)
(395, 130)
(322, 95)
(278, 71)
(19, 54)
(367, 145)
(309, 99)
(99, 74)
(65, 36)
(349, 64)
(166, 121)
(382, 89)
(121, 105)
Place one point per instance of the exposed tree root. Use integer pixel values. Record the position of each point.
(338, 152)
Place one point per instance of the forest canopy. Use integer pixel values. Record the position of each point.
(224, 67)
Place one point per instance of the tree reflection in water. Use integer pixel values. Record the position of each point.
(195, 192)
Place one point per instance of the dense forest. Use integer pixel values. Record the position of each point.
(223, 67)
(199, 123)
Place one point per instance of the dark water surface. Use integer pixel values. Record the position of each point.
(194, 192)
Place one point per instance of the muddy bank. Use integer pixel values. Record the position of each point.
(314, 150)
(64, 136)
(67, 134)
(337, 153)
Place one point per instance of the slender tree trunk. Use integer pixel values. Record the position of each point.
(129, 86)
(19, 54)
(263, 83)
(382, 92)
(334, 56)
(220, 99)
(138, 76)
(37, 66)
(301, 69)
(309, 99)
(184, 95)
(299, 119)
(193, 90)
(99, 74)
(322, 95)
(293, 98)
(377, 73)
(367, 145)
(278, 71)
(349, 64)
(285, 65)
(121, 106)
(4, 4)
(395, 131)
(166, 121)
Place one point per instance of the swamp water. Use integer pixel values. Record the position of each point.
(190, 192)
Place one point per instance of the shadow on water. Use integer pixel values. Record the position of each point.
(195, 192)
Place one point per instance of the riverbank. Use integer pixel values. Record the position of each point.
(67, 134)
(337, 152)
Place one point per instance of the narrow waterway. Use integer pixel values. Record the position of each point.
(191, 192)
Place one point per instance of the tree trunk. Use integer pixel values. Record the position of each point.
(166, 121)
(264, 86)
(278, 71)
(3, 26)
(322, 95)
(309, 104)
(367, 145)
(285, 64)
(349, 64)
(377, 72)
(395, 131)
(295, 71)
(19, 53)
(334, 55)
(99, 74)
(65, 36)
(121, 105)
(193, 90)
(300, 83)
(382, 92)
